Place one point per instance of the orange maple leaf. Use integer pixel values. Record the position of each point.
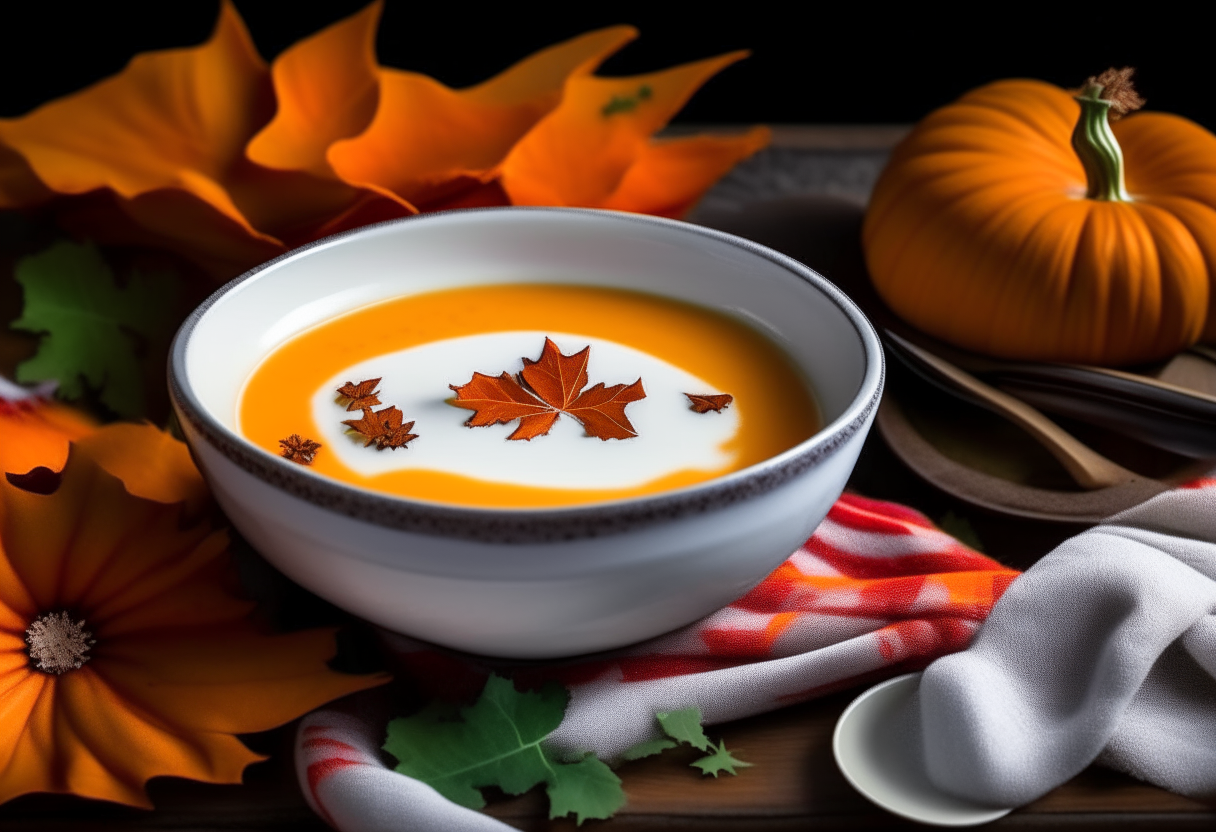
(554, 385)
(361, 395)
(207, 152)
(383, 427)
(716, 402)
(396, 435)
(300, 449)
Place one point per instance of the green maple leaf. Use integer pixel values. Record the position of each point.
(87, 323)
(648, 748)
(719, 761)
(497, 741)
(684, 726)
(586, 789)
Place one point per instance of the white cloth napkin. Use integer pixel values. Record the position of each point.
(1104, 651)
(877, 590)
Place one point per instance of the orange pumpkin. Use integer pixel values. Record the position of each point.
(987, 229)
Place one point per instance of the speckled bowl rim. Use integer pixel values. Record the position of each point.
(545, 525)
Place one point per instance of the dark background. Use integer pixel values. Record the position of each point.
(855, 62)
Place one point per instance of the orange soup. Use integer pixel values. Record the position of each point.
(424, 346)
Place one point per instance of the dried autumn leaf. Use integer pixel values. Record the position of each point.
(300, 449)
(716, 402)
(361, 395)
(206, 152)
(500, 400)
(396, 435)
(383, 428)
(162, 145)
(371, 426)
(426, 141)
(555, 385)
(596, 150)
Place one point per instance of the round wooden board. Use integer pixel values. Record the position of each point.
(1007, 496)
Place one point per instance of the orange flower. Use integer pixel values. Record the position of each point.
(36, 431)
(124, 654)
(208, 153)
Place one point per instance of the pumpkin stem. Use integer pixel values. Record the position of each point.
(1106, 97)
(58, 644)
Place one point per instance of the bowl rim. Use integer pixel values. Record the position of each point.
(534, 525)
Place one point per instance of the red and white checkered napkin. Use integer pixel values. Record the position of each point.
(875, 592)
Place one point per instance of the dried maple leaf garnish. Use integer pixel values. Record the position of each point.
(383, 428)
(716, 402)
(370, 426)
(300, 449)
(361, 395)
(545, 389)
(396, 435)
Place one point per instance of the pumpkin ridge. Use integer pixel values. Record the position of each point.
(1202, 229)
(1185, 244)
(1036, 250)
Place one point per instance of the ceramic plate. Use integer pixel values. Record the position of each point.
(879, 752)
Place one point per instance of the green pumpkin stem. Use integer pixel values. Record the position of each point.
(1092, 138)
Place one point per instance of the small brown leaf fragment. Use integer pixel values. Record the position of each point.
(383, 428)
(361, 395)
(396, 435)
(546, 388)
(370, 427)
(716, 402)
(300, 449)
(1117, 88)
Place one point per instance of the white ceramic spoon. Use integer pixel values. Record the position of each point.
(878, 750)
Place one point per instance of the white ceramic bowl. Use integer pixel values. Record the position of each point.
(527, 583)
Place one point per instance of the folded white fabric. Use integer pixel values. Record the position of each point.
(876, 591)
(1104, 650)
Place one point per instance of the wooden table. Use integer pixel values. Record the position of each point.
(794, 783)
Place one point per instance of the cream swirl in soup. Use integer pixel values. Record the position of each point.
(422, 345)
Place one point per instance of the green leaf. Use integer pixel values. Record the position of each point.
(497, 742)
(586, 789)
(684, 726)
(648, 748)
(719, 761)
(87, 323)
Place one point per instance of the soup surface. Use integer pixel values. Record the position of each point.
(422, 346)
